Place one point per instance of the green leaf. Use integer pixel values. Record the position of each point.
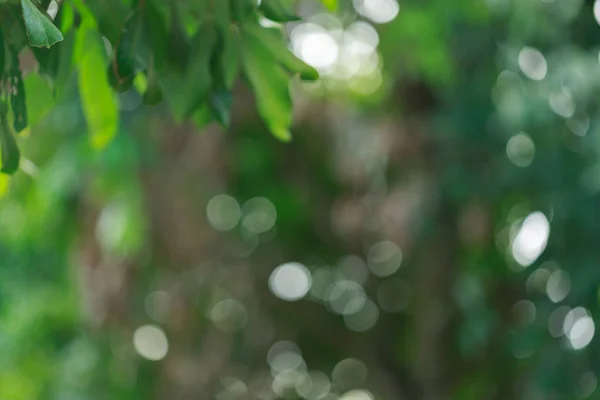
(226, 63)
(178, 49)
(41, 30)
(270, 83)
(131, 53)
(98, 100)
(242, 9)
(186, 91)
(202, 117)
(153, 94)
(8, 145)
(222, 13)
(230, 56)
(17, 93)
(273, 10)
(271, 40)
(2, 54)
(220, 107)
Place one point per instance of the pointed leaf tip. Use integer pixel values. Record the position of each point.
(40, 29)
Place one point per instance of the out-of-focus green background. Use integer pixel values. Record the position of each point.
(432, 232)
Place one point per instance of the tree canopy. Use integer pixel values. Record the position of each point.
(430, 233)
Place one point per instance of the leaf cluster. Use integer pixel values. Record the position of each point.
(188, 54)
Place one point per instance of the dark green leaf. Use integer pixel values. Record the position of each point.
(17, 95)
(187, 91)
(220, 107)
(178, 49)
(222, 13)
(153, 94)
(230, 57)
(8, 144)
(241, 9)
(2, 55)
(41, 30)
(273, 10)
(270, 84)
(131, 53)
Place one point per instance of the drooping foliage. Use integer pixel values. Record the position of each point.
(189, 53)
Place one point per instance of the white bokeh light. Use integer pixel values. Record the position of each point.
(357, 395)
(384, 258)
(558, 286)
(319, 49)
(597, 11)
(150, 341)
(533, 63)
(378, 11)
(223, 212)
(52, 9)
(581, 333)
(578, 327)
(259, 215)
(531, 239)
(520, 150)
(562, 103)
(290, 281)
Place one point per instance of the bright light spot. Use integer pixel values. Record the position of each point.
(364, 319)
(158, 305)
(357, 395)
(316, 387)
(358, 56)
(532, 63)
(366, 84)
(290, 281)
(346, 297)
(579, 125)
(531, 240)
(579, 327)
(378, 11)
(562, 103)
(228, 315)
(364, 32)
(259, 215)
(52, 9)
(558, 286)
(582, 332)
(267, 23)
(597, 11)
(151, 342)
(283, 346)
(107, 45)
(520, 150)
(353, 268)
(349, 374)
(287, 360)
(223, 212)
(317, 48)
(384, 258)
(288, 380)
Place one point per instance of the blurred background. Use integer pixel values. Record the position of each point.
(432, 232)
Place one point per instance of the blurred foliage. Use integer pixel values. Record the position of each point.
(430, 233)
